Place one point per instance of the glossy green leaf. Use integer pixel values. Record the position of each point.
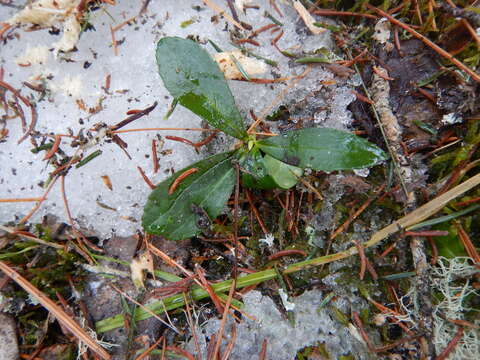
(283, 174)
(323, 149)
(200, 195)
(265, 172)
(254, 173)
(194, 79)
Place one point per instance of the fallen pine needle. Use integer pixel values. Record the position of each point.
(224, 320)
(146, 179)
(451, 345)
(363, 259)
(179, 179)
(161, 129)
(31, 237)
(150, 349)
(20, 200)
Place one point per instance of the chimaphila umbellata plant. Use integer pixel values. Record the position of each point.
(176, 207)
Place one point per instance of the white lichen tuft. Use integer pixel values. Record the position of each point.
(451, 118)
(267, 240)
(451, 279)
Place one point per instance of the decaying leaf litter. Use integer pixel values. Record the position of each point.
(390, 308)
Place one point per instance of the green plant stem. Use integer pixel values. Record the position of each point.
(313, 60)
(176, 301)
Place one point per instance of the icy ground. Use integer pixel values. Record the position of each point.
(311, 324)
(74, 82)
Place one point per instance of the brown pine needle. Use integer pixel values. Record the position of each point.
(472, 31)
(150, 349)
(467, 244)
(146, 179)
(451, 345)
(231, 344)
(363, 333)
(122, 24)
(31, 237)
(208, 288)
(255, 212)
(363, 259)
(38, 204)
(343, 13)
(357, 213)
(224, 320)
(263, 352)
(192, 326)
(15, 200)
(114, 41)
(162, 129)
(156, 164)
(54, 148)
(179, 179)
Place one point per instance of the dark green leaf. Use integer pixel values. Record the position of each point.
(195, 80)
(322, 149)
(178, 216)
